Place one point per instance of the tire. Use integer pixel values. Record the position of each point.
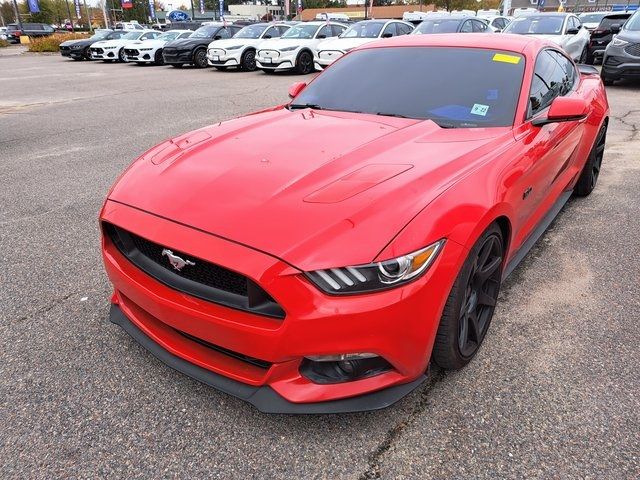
(222, 69)
(591, 170)
(590, 58)
(584, 55)
(121, 55)
(158, 59)
(248, 61)
(467, 314)
(200, 58)
(86, 54)
(606, 80)
(304, 63)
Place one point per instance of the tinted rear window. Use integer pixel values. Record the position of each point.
(470, 87)
(606, 22)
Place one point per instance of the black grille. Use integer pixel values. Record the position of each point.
(97, 50)
(633, 49)
(64, 48)
(238, 356)
(199, 278)
(131, 52)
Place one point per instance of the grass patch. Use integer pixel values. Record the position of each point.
(52, 42)
(4, 43)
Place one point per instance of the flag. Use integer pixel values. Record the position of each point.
(286, 8)
(299, 10)
(77, 5)
(152, 9)
(222, 12)
(34, 6)
(202, 7)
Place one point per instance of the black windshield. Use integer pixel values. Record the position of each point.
(469, 88)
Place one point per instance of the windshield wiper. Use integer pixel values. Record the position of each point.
(383, 114)
(298, 106)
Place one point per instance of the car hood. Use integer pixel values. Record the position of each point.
(230, 42)
(69, 43)
(343, 43)
(311, 202)
(278, 43)
(151, 43)
(187, 42)
(117, 42)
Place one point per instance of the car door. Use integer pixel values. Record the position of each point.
(337, 30)
(549, 150)
(403, 29)
(466, 27)
(271, 32)
(389, 31)
(478, 26)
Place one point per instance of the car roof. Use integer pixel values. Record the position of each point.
(504, 41)
(447, 16)
(545, 14)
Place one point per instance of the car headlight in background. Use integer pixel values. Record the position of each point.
(109, 48)
(235, 47)
(76, 47)
(378, 275)
(618, 42)
(288, 49)
(145, 49)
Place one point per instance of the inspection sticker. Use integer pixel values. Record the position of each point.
(503, 57)
(479, 109)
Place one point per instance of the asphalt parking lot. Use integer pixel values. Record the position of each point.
(554, 392)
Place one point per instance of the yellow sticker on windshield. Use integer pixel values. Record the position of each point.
(503, 57)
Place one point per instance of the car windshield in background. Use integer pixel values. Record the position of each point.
(470, 88)
(591, 17)
(205, 32)
(99, 36)
(131, 36)
(606, 22)
(251, 31)
(167, 37)
(437, 25)
(634, 22)
(536, 25)
(363, 30)
(301, 31)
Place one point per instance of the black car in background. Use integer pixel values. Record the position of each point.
(79, 49)
(603, 33)
(193, 50)
(29, 29)
(622, 56)
(454, 23)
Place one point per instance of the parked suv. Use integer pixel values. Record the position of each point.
(622, 56)
(601, 36)
(193, 50)
(29, 29)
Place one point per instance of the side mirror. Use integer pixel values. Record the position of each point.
(615, 28)
(563, 109)
(217, 37)
(387, 35)
(296, 88)
(498, 30)
(321, 36)
(572, 31)
(267, 36)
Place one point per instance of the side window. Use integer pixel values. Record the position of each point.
(184, 35)
(389, 31)
(147, 36)
(553, 76)
(324, 32)
(337, 30)
(479, 26)
(466, 27)
(222, 33)
(271, 32)
(403, 29)
(283, 29)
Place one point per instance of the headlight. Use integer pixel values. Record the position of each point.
(145, 49)
(108, 48)
(618, 42)
(235, 47)
(376, 276)
(288, 49)
(75, 47)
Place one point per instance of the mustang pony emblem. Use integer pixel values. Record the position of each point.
(176, 262)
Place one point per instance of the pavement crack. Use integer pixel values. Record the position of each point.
(631, 125)
(50, 306)
(375, 458)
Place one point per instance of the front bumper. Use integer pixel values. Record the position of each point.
(72, 53)
(177, 56)
(140, 56)
(617, 63)
(218, 57)
(276, 61)
(398, 325)
(104, 54)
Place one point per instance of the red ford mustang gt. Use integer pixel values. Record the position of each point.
(316, 256)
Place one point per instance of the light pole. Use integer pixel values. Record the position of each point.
(15, 9)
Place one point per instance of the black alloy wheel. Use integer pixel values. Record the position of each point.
(121, 55)
(591, 171)
(304, 65)
(158, 58)
(583, 55)
(469, 309)
(200, 58)
(86, 54)
(248, 62)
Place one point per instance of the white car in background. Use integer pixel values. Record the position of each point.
(496, 23)
(108, 50)
(294, 50)
(591, 20)
(563, 29)
(150, 50)
(328, 51)
(240, 51)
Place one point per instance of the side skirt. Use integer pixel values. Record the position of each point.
(536, 234)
